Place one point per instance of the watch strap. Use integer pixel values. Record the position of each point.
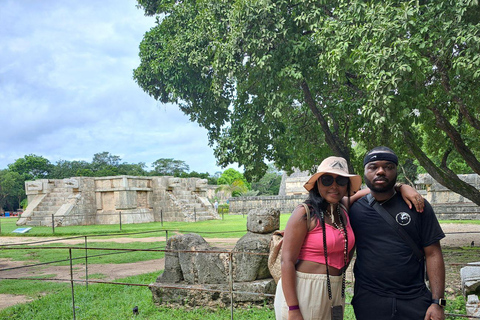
(441, 302)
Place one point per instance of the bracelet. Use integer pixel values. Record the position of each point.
(398, 185)
(290, 308)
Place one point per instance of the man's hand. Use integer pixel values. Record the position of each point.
(435, 312)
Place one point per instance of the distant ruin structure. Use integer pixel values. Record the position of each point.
(111, 200)
(446, 203)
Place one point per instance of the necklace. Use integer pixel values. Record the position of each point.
(394, 193)
(334, 221)
(343, 231)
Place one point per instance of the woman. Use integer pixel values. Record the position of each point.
(312, 285)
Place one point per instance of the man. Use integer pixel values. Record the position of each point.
(389, 278)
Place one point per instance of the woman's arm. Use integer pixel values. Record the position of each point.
(347, 202)
(409, 194)
(359, 194)
(295, 233)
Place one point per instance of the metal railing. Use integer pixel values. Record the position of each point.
(231, 292)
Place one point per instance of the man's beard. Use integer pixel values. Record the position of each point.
(387, 188)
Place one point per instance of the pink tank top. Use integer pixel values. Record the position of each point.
(312, 248)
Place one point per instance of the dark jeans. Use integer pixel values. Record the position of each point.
(370, 306)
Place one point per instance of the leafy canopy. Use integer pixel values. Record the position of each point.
(292, 82)
(170, 167)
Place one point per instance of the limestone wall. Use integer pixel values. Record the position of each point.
(448, 204)
(111, 200)
(293, 184)
(285, 204)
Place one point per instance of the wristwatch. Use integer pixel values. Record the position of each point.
(441, 302)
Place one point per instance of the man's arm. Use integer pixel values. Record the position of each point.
(436, 276)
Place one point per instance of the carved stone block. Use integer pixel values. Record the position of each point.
(71, 183)
(201, 184)
(470, 276)
(173, 183)
(34, 186)
(263, 220)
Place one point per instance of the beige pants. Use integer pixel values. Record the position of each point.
(312, 293)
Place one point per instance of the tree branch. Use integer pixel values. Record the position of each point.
(456, 139)
(445, 80)
(443, 176)
(445, 158)
(332, 140)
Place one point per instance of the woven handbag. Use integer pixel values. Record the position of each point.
(275, 254)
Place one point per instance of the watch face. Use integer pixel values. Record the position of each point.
(441, 302)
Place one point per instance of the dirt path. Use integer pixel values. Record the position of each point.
(101, 272)
(457, 236)
(221, 242)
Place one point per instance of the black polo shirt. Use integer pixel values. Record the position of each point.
(386, 264)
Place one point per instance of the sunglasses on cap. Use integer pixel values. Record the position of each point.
(327, 180)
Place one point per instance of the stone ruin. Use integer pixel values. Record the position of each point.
(111, 200)
(470, 276)
(197, 274)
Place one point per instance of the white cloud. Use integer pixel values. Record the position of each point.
(66, 87)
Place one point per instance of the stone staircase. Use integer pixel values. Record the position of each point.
(50, 204)
(192, 207)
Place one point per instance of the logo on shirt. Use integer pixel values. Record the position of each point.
(403, 218)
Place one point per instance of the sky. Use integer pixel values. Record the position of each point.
(67, 89)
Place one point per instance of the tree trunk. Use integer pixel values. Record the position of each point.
(445, 176)
(333, 141)
(470, 118)
(457, 140)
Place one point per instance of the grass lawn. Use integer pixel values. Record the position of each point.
(44, 253)
(232, 226)
(107, 301)
(112, 302)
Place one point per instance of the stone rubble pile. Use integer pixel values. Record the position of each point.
(470, 276)
(199, 275)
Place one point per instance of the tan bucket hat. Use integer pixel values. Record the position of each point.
(335, 165)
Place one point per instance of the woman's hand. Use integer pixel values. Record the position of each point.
(295, 315)
(411, 197)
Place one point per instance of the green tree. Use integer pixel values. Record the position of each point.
(32, 167)
(67, 169)
(105, 159)
(293, 82)
(233, 182)
(269, 184)
(193, 174)
(84, 173)
(236, 188)
(12, 189)
(133, 169)
(231, 175)
(103, 164)
(169, 167)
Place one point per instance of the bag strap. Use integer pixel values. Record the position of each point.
(307, 211)
(391, 221)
